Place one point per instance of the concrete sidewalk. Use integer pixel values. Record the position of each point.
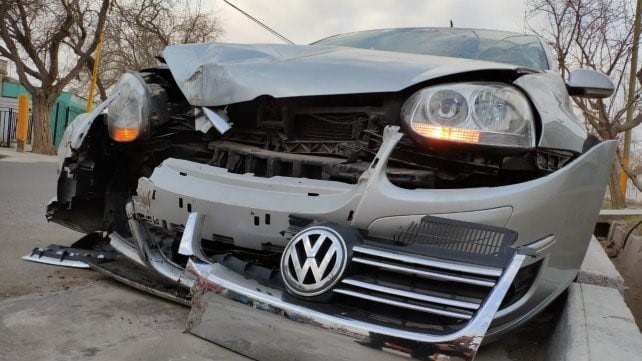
(618, 214)
(11, 155)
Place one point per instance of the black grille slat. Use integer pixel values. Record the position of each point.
(337, 127)
(444, 290)
(415, 295)
(391, 316)
(435, 263)
(425, 273)
(457, 240)
(403, 303)
(400, 283)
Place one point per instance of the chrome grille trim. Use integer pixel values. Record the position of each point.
(223, 286)
(429, 262)
(233, 286)
(422, 283)
(426, 274)
(410, 306)
(411, 295)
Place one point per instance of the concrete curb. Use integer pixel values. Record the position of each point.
(596, 324)
(598, 270)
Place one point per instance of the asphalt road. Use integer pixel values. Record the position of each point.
(25, 189)
(54, 313)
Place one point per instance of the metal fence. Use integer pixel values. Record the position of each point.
(8, 118)
(62, 116)
(8, 121)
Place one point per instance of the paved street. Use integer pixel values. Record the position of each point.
(26, 187)
(101, 321)
(54, 313)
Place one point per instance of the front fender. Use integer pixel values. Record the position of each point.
(76, 132)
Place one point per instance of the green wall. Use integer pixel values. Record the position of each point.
(64, 110)
(12, 90)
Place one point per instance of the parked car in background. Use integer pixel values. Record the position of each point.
(413, 190)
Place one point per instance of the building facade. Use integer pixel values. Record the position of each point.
(64, 110)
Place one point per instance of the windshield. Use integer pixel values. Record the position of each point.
(489, 45)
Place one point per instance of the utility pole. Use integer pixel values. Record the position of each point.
(22, 125)
(626, 154)
(94, 73)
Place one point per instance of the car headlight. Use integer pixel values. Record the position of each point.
(128, 114)
(493, 114)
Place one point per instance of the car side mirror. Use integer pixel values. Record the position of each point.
(587, 83)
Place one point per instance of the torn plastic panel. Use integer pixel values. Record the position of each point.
(206, 118)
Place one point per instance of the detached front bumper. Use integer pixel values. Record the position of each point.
(553, 216)
(252, 211)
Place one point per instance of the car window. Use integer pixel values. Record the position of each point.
(489, 45)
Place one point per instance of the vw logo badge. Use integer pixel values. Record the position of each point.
(313, 261)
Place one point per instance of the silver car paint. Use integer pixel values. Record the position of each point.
(560, 127)
(216, 74)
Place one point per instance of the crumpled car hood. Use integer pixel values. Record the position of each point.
(214, 74)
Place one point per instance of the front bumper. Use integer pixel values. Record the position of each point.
(554, 215)
(557, 212)
(256, 212)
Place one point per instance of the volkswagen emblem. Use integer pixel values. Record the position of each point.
(313, 261)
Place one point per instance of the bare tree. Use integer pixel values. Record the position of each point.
(137, 32)
(594, 34)
(50, 43)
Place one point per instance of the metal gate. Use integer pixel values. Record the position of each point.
(8, 121)
(8, 118)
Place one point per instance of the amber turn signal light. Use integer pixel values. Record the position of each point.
(124, 134)
(445, 133)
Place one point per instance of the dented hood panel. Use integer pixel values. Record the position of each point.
(214, 74)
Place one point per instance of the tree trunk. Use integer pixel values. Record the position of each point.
(618, 200)
(41, 140)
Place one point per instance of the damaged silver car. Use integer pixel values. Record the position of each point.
(410, 191)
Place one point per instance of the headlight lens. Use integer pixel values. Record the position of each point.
(447, 108)
(128, 114)
(494, 114)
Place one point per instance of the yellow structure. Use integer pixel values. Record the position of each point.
(23, 121)
(94, 74)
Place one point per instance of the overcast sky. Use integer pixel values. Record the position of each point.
(304, 21)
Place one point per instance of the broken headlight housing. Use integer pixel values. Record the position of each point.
(492, 114)
(128, 113)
